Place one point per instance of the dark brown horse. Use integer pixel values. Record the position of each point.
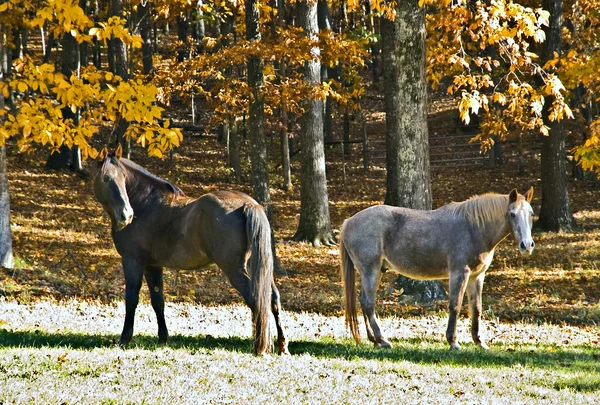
(154, 225)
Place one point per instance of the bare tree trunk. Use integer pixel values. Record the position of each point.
(144, 17)
(260, 172)
(182, 34)
(315, 224)
(555, 213)
(6, 252)
(198, 28)
(407, 142)
(234, 151)
(119, 51)
(68, 158)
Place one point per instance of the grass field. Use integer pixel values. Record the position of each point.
(66, 352)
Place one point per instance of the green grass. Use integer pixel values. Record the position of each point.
(79, 367)
(59, 353)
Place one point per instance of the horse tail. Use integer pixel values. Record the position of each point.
(349, 284)
(260, 267)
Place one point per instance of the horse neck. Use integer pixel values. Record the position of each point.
(494, 224)
(495, 231)
(141, 187)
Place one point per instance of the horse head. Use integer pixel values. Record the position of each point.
(109, 177)
(520, 219)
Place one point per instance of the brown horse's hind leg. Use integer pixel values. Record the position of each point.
(367, 302)
(133, 271)
(240, 280)
(154, 279)
(282, 344)
(458, 284)
(474, 289)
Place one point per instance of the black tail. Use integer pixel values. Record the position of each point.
(260, 267)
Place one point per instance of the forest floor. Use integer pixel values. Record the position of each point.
(63, 246)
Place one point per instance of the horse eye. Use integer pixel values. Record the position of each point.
(512, 214)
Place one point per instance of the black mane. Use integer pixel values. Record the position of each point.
(141, 184)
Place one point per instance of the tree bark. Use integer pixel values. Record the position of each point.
(555, 213)
(120, 69)
(325, 24)
(68, 158)
(315, 224)
(198, 28)
(258, 151)
(407, 140)
(6, 252)
(182, 34)
(144, 17)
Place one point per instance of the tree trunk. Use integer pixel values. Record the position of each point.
(407, 141)
(144, 17)
(234, 151)
(182, 34)
(258, 142)
(68, 158)
(260, 172)
(6, 252)
(198, 28)
(120, 68)
(555, 213)
(315, 224)
(325, 24)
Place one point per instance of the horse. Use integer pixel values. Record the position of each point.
(455, 242)
(155, 225)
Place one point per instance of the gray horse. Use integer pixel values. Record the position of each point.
(455, 242)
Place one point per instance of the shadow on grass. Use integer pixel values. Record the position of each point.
(575, 358)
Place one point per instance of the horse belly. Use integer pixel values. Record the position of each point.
(421, 273)
(184, 257)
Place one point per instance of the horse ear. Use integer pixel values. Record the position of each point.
(119, 152)
(512, 197)
(529, 194)
(103, 154)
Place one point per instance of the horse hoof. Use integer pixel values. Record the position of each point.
(283, 350)
(385, 344)
(454, 346)
(482, 345)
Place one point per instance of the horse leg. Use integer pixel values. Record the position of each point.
(370, 334)
(133, 271)
(154, 279)
(370, 283)
(282, 344)
(240, 280)
(458, 284)
(474, 288)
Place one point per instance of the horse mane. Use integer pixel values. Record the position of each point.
(480, 209)
(140, 182)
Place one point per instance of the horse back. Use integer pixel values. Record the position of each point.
(190, 234)
(418, 244)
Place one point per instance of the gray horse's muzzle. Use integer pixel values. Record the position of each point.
(526, 246)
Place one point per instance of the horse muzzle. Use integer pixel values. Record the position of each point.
(123, 219)
(526, 247)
